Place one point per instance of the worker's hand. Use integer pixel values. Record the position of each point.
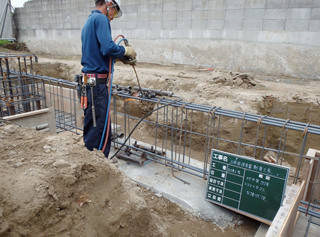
(130, 52)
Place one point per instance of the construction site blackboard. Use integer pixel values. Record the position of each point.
(251, 187)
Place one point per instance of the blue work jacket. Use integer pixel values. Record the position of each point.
(97, 44)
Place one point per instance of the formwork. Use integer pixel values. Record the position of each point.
(156, 125)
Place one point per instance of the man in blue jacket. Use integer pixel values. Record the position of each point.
(97, 49)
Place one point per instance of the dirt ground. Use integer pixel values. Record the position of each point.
(52, 186)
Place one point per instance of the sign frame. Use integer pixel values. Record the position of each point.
(284, 171)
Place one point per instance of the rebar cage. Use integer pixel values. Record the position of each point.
(160, 127)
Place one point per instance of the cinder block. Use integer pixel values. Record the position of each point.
(131, 9)
(251, 36)
(199, 4)
(185, 24)
(155, 25)
(251, 14)
(275, 14)
(301, 3)
(216, 14)
(169, 25)
(180, 34)
(199, 24)
(255, 4)
(297, 25)
(314, 26)
(143, 17)
(215, 24)
(274, 25)
(199, 15)
(233, 24)
(235, 4)
(154, 33)
(216, 4)
(169, 16)
(214, 34)
(131, 24)
(184, 15)
(277, 4)
(234, 14)
(316, 3)
(169, 5)
(252, 25)
(183, 5)
(300, 38)
(315, 14)
(299, 13)
(155, 16)
(145, 24)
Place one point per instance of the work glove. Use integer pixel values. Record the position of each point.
(130, 52)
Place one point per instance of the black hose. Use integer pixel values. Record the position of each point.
(134, 128)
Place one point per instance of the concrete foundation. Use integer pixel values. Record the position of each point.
(42, 120)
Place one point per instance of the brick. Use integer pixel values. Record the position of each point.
(274, 14)
(254, 13)
(299, 13)
(252, 25)
(314, 26)
(274, 25)
(300, 3)
(235, 4)
(297, 25)
(255, 4)
(315, 14)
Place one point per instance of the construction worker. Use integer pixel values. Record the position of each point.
(97, 49)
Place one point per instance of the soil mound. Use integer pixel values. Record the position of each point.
(52, 186)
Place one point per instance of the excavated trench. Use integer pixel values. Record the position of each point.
(295, 109)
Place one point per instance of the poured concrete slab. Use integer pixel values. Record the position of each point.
(190, 197)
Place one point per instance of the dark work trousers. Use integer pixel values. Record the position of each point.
(92, 135)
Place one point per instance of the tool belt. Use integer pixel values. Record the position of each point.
(99, 78)
(89, 79)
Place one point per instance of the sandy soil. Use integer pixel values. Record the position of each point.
(52, 186)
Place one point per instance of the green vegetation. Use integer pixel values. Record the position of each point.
(13, 45)
(4, 42)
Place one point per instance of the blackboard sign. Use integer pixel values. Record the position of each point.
(251, 187)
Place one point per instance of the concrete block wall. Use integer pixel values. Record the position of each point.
(276, 37)
(6, 21)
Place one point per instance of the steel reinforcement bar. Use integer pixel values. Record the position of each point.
(172, 132)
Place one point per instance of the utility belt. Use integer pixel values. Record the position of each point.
(89, 79)
(94, 78)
